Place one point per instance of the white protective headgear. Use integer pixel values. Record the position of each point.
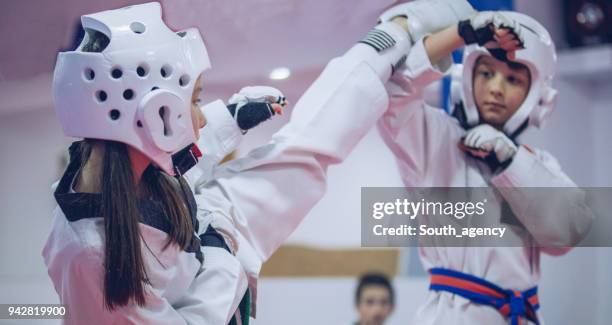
(540, 58)
(137, 90)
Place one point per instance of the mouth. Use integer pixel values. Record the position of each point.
(495, 106)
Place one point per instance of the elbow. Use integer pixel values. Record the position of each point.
(558, 243)
(556, 251)
(565, 228)
(561, 240)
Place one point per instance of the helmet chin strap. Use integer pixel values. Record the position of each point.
(185, 159)
(519, 130)
(459, 114)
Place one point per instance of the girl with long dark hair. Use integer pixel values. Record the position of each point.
(126, 241)
(130, 243)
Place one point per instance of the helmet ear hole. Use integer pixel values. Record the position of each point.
(166, 71)
(158, 110)
(114, 114)
(184, 80)
(128, 94)
(101, 96)
(142, 70)
(138, 27)
(164, 115)
(116, 73)
(89, 74)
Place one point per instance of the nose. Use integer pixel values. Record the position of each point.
(496, 85)
(201, 118)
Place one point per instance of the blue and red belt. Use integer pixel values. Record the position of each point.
(513, 304)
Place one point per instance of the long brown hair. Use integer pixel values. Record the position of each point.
(125, 275)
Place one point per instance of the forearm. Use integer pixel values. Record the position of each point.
(545, 200)
(326, 124)
(439, 45)
(222, 275)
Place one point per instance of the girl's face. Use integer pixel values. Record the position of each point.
(499, 89)
(198, 119)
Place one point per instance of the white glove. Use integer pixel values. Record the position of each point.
(480, 29)
(429, 16)
(423, 17)
(261, 94)
(253, 105)
(488, 139)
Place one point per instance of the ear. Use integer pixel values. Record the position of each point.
(549, 97)
(545, 107)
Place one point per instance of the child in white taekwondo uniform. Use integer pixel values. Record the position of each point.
(126, 244)
(130, 87)
(507, 75)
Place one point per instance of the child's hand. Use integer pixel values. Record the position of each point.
(495, 31)
(507, 41)
(422, 17)
(253, 105)
(485, 139)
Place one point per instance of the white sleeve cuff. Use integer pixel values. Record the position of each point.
(420, 71)
(221, 135)
(517, 173)
(365, 53)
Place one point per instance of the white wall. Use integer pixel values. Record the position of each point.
(578, 136)
(32, 147)
(328, 301)
(31, 155)
(577, 288)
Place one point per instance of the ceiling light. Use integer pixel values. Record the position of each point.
(280, 73)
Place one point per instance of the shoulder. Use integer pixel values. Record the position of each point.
(442, 125)
(70, 257)
(70, 239)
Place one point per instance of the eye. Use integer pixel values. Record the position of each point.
(197, 101)
(485, 74)
(514, 80)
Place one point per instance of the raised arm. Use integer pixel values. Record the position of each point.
(227, 124)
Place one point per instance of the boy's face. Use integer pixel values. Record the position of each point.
(499, 89)
(374, 305)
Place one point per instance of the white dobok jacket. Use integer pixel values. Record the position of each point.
(425, 142)
(256, 202)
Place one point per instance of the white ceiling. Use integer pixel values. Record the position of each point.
(245, 38)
